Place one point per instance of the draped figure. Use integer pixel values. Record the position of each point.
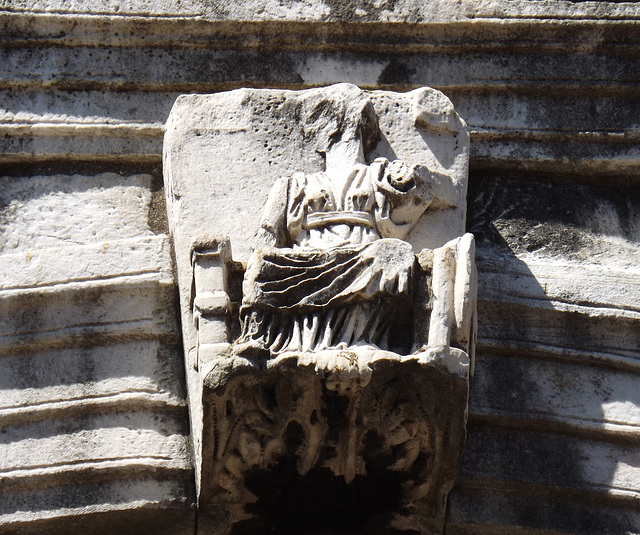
(330, 268)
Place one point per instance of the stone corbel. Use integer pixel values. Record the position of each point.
(344, 404)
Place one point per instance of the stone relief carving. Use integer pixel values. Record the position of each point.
(331, 265)
(352, 356)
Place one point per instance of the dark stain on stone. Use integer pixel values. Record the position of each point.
(259, 67)
(549, 218)
(396, 72)
(550, 511)
(76, 167)
(504, 383)
(358, 10)
(157, 217)
(525, 456)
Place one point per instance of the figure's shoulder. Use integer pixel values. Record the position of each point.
(303, 180)
(292, 185)
(295, 178)
(286, 182)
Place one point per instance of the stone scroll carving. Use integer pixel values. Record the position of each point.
(328, 301)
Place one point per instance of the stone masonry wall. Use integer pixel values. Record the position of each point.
(93, 418)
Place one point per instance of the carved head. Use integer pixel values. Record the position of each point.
(340, 114)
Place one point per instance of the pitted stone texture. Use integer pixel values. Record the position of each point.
(332, 10)
(50, 211)
(92, 401)
(258, 138)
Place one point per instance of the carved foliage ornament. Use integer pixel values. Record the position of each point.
(327, 355)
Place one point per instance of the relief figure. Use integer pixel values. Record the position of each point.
(330, 268)
(351, 367)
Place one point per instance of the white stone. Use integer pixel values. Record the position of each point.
(91, 395)
(46, 212)
(309, 11)
(331, 182)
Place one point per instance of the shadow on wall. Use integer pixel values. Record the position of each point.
(555, 220)
(554, 400)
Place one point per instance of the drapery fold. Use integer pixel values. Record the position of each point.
(307, 300)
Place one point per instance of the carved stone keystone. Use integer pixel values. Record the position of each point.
(328, 292)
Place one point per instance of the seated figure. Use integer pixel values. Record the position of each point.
(330, 268)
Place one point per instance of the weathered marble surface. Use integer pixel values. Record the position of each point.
(263, 143)
(512, 68)
(344, 177)
(328, 11)
(92, 405)
(555, 391)
(549, 90)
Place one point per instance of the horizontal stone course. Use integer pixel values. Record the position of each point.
(550, 91)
